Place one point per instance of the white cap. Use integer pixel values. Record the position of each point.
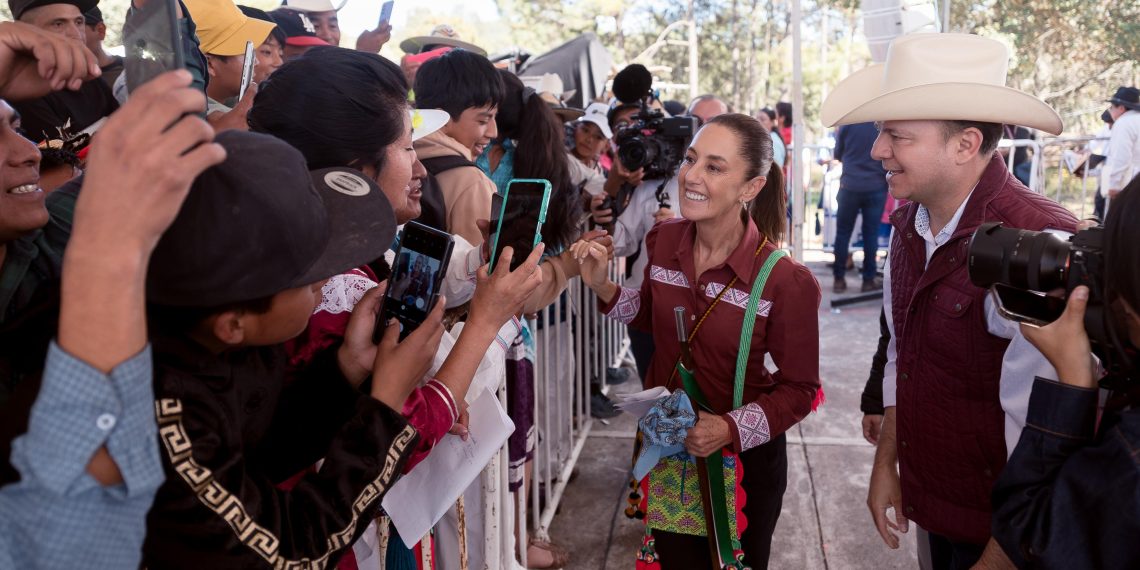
(598, 113)
(427, 121)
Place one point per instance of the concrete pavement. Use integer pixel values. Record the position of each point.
(824, 523)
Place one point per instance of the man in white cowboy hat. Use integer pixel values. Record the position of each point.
(442, 35)
(958, 376)
(326, 24)
(1123, 162)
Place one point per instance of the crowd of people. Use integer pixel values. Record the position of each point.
(196, 372)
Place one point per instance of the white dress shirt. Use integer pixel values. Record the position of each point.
(634, 223)
(1021, 363)
(1123, 155)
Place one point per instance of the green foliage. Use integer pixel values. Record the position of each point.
(1072, 53)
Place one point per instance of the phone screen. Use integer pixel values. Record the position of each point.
(1028, 307)
(417, 275)
(152, 41)
(518, 222)
(386, 12)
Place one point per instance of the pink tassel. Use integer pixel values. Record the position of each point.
(819, 400)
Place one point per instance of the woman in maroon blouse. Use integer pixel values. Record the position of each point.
(733, 208)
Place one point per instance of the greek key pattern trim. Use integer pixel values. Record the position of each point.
(178, 447)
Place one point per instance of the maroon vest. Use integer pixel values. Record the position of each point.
(949, 420)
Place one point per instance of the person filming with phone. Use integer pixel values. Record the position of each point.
(1070, 495)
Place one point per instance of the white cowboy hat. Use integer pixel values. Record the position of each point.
(427, 121)
(441, 35)
(550, 89)
(948, 77)
(314, 5)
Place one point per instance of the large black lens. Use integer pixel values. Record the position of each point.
(636, 152)
(1038, 261)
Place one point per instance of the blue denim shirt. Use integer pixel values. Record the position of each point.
(1068, 498)
(504, 171)
(57, 515)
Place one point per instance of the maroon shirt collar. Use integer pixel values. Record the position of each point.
(742, 260)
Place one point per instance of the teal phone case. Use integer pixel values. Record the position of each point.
(546, 189)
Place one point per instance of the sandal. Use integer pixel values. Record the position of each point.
(558, 555)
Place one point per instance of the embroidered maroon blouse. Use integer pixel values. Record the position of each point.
(787, 327)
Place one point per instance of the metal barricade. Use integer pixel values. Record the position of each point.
(574, 345)
(1057, 181)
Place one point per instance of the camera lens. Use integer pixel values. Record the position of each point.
(1037, 261)
(636, 152)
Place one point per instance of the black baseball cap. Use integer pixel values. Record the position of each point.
(93, 16)
(297, 27)
(18, 7)
(261, 222)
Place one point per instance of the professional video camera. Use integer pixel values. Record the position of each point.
(652, 142)
(1025, 270)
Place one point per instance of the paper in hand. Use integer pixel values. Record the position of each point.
(640, 403)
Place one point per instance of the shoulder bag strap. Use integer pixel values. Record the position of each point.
(749, 324)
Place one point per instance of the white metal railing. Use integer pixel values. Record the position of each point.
(1049, 164)
(574, 345)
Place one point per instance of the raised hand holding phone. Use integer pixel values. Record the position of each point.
(502, 294)
(371, 41)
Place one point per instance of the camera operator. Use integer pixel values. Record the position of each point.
(1069, 496)
(654, 145)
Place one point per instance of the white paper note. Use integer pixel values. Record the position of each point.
(418, 500)
(640, 403)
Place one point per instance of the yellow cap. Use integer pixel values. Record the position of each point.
(223, 29)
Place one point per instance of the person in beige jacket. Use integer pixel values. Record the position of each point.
(466, 190)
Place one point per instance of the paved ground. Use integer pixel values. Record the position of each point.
(824, 524)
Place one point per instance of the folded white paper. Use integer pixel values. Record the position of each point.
(640, 403)
(418, 500)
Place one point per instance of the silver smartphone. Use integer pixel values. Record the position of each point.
(247, 69)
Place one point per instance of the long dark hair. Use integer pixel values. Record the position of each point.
(339, 107)
(768, 208)
(785, 110)
(771, 116)
(540, 152)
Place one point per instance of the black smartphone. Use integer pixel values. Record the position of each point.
(417, 275)
(1029, 307)
(517, 219)
(152, 41)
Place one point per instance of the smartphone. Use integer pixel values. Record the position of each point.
(386, 12)
(247, 69)
(1029, 307)
(517, 218)
(417, 275)
(152, 41)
